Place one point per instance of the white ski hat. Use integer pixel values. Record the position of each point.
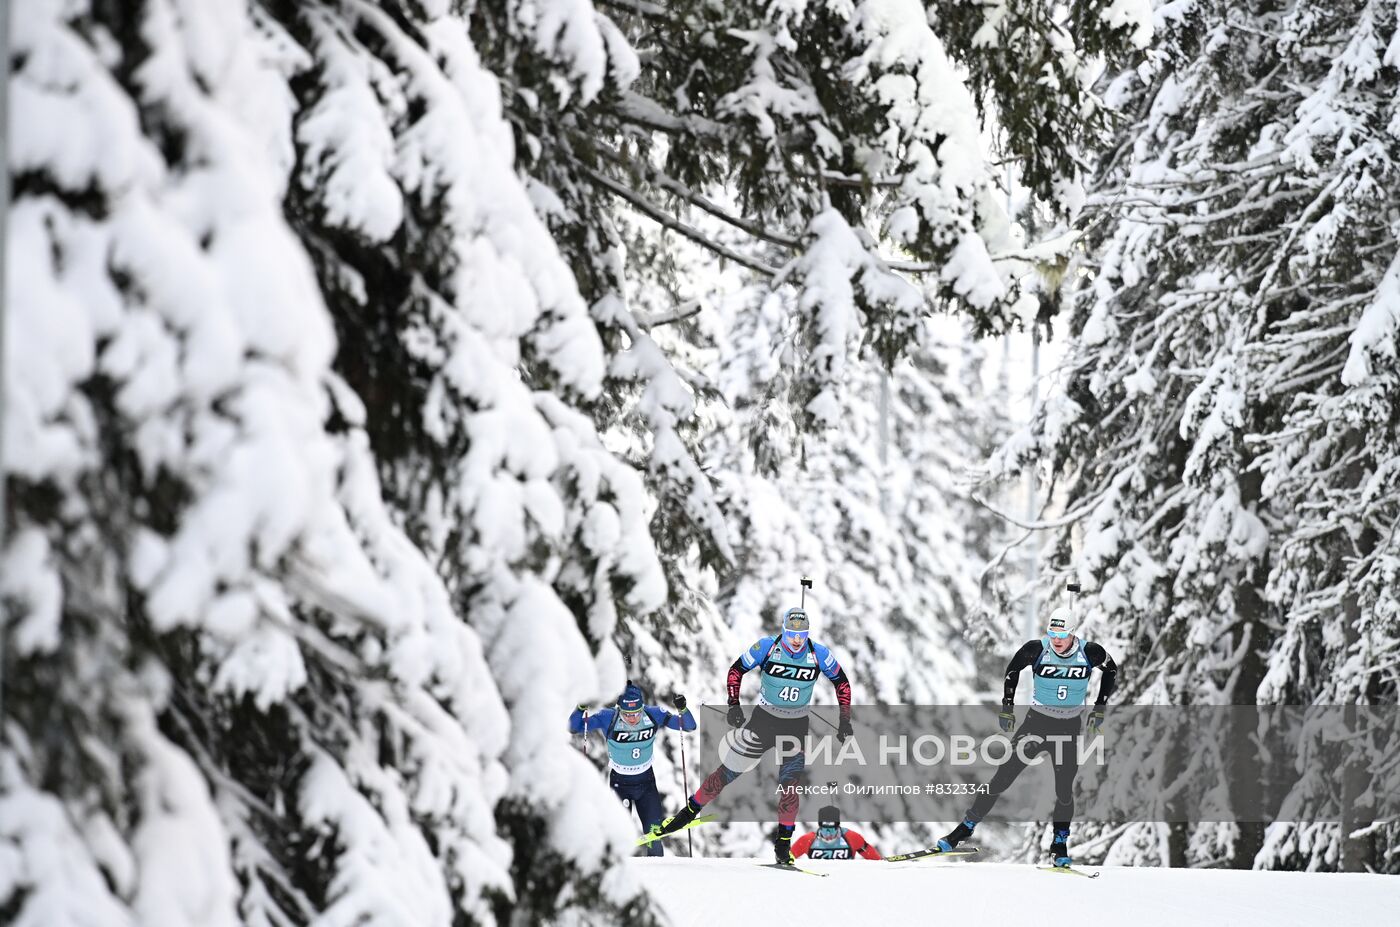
(1061, 620)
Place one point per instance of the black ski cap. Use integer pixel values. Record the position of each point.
(830, 816)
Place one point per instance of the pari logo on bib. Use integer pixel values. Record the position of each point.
(830, 842)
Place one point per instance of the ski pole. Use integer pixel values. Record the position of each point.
(685, 783)
(806, 582)
(585, 732)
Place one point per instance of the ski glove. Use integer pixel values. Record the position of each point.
(736, 716)
(1096, 721)
(1007, 718)
(583, 708)
(680, 703)
(844, 730)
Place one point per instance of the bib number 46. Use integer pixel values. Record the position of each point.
(790, 693)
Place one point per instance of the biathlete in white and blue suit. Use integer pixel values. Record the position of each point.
(789, 665)
(1060, 665)
(630, 730)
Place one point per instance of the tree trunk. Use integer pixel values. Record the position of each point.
(1246, 772)
(1358, 853)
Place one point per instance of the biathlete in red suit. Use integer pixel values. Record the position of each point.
(832, 841)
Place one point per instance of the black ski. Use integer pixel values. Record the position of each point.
(932, 851)
(789, 867)
(1069, 870)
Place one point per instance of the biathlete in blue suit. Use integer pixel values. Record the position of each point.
(630, 730)
(1060, 665)
(789, 665)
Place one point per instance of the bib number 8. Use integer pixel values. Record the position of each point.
(790, 693)
(1064, 693)
(636, 753)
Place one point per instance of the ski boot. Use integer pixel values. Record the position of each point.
(1059, 848)
(782, 845)
(678, 820)
(957, 835)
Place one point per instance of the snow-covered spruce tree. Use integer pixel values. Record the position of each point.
(808, 143)
(1224, 433)
(311, 539)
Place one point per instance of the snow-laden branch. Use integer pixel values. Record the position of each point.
(664, 218)
(685, 310)
(644, 111)
(665, 182)
(642, 8)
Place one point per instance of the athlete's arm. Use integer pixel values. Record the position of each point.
(597, 720)
(747, 661)
(663, 717)
(736, 678)
(1023, 658)
(802, 844)
(843, 693)
(833, 671)
(1100, 658)
(862, 846)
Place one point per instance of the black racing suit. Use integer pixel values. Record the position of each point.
(1040, 725)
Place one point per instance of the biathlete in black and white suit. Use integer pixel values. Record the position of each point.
(1060, 665)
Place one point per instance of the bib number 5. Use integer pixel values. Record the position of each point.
(1064, 693)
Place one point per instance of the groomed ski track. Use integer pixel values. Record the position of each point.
(739, 892)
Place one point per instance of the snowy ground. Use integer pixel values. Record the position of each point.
(737, 892)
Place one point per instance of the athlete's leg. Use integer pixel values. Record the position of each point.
(1065, 771)
(789, 776)
(647, 800)
(1066, 768)
(789, 800)
(1028, 743)
(714, 783)
(740, 752)
(621, 787)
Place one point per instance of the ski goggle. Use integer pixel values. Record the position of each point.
(631, 717)
(1058, 635)
(796, 627)
(828, 831)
